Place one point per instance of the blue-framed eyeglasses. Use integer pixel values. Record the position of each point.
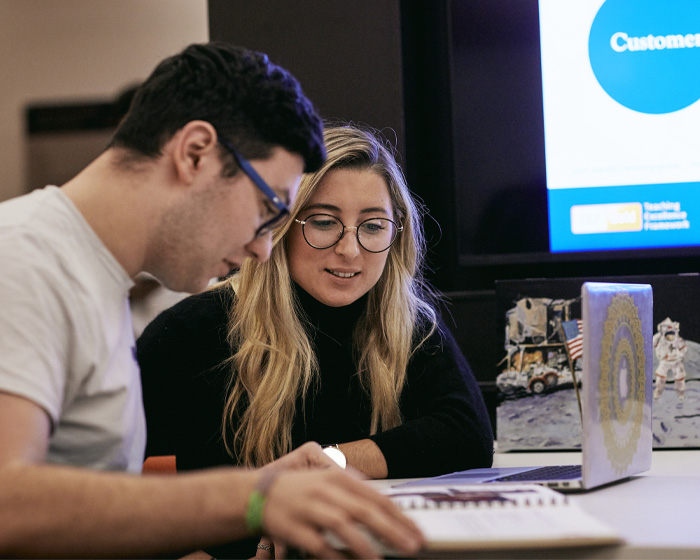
(281, 207)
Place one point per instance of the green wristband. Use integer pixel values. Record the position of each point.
(254, 512)
(256, 502)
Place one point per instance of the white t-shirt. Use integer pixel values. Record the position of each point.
(66, 339)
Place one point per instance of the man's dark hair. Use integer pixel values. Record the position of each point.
(252, 103)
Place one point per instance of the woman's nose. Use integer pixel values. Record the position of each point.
(348, 246)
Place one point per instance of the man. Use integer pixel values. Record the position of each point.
(198, 173)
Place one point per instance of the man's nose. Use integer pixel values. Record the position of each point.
(260, 248)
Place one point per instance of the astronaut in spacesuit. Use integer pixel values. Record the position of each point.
(670, 349)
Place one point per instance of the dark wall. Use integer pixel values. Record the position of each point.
(380, 62)
(345, 53)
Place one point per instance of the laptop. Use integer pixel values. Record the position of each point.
(615, 396)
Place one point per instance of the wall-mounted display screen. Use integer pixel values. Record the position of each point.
(620, 90)
(575, 127)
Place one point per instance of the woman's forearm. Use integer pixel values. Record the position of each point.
(365, 456)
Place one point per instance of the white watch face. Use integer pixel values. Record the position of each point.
(337, 455)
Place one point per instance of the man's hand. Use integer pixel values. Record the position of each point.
(303, 504)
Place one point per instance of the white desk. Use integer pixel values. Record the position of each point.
(657, 513)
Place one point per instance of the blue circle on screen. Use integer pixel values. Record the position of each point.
(645, 54)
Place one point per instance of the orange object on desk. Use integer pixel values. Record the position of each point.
(162, 464)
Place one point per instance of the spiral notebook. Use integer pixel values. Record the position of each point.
(616, 396)
(511, 516)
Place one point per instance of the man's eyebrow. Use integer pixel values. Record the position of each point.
(333, 208)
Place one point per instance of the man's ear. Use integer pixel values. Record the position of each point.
(194, 145)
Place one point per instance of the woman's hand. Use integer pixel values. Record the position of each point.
(267, 551)
(308, 456)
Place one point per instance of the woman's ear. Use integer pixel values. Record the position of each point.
(194, 146)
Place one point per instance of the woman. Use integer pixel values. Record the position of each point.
(334, 339)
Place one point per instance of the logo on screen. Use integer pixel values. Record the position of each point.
(645, 54)
(606, 218)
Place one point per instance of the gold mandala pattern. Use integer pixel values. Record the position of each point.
(622, 340)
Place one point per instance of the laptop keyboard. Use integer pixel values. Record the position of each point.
(555, 472)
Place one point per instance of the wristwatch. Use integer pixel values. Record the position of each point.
(334, 452)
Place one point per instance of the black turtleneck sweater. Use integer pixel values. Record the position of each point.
(445, 423)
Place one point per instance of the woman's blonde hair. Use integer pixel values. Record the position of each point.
(275, 362)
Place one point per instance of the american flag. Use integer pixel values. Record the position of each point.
(573, 331)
